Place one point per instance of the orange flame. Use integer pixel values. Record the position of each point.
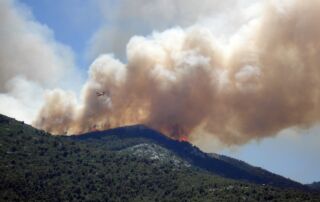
(183, 139)
(94, 128)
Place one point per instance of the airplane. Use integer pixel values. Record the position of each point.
(103, 93)
(100, 93)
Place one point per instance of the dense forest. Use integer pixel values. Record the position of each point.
(35, 166)
(120, 138)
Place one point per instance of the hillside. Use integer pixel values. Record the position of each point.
(120, 138)
(315, 186)
(35, 166)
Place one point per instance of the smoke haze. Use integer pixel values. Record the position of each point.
(30, 60)
(262, 80)
(142, 17)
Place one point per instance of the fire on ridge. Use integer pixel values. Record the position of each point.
(247, 89)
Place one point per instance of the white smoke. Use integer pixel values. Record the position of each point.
(263, 79)
(30, 60)
(127, 18)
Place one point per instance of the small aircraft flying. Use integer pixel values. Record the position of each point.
(100, 93)
(103, 93)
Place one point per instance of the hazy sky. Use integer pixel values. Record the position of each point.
(69, 35)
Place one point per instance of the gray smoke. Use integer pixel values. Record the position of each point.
(181, 81)
(30, 61)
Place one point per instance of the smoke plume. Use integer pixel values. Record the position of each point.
(31, 60)
(180, 81)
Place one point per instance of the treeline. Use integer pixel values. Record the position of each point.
(35, 166)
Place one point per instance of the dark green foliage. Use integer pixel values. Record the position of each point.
(315, 186)
(123, 137)
(35, 166)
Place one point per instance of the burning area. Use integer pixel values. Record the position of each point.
(250, 88)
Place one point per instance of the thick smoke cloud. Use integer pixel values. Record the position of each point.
(30, 61)
(127, 18)
(182, 81)
(28, 48)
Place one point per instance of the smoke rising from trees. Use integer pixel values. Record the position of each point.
(183, 80)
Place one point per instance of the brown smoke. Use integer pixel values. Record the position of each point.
(182, 80)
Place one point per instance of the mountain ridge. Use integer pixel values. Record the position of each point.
(225, 167)
(36, 166)
(315, 186)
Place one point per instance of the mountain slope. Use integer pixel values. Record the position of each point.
(216, 164)
(315, 186)
(35, 166)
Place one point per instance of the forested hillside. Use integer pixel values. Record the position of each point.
(35, 166)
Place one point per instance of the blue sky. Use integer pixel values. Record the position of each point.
(74, 22)
(293, 154)
(91, 28)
